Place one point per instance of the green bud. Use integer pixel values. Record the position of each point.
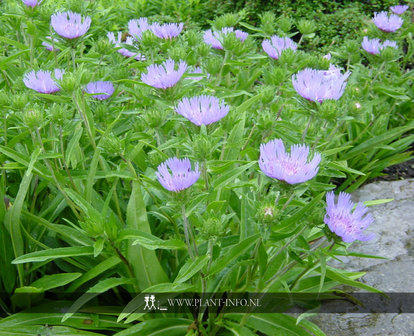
(33, 118)
(306, 27)
(4, 99)
(93, 227)
(226, 20)
(203, 49)
(328, 110)
(155, 158)
(112, 144)
(265, 120)
(202, 147)
(58, 114)
(284, 23)
(267, 93)
(230, 41)
(69, 82)
(177, 53)
(287, 57)
(155, 117)
(214, 65)
(352, 47)
(192, 38)
(267, 213)
(274, 76)
(388, 54)
(19, 101)
(268, 22)
(103, 46)
(148, 39)
(111, 227)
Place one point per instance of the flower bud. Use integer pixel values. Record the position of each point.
(287, 57)
(148, 39)
(306, 27)
(352, 47)
(112, 144)
(328, 110)
(4, 99)
(57, 114)
(226, 20)
(267, 93)
(203, 49)
(103, 46)
(267, 214)
(268, 22)
(94, 228)
(214, 65)
(202, 147)
(33, 118)
(284, 23)
(275, 76)
(69, 83)
(192, 38)
(19, 101)
(177, 53)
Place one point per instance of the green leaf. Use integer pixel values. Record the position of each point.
(164, 326)
(344, 279)
(231, 174)
(101, 287)
(150, 241)
(232, 254)
(45, 330)
(60, 252)
(238, 330)
(94, 272)
(190, 268)
(144, 262)
(55, 280)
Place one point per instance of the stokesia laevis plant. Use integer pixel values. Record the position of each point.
(215, 39)
(399, 9)
(166, 31)
(164, 76)
(387, 23)
(345, 223)
(202, 110)
(293, 167)
(319, 85)
(137, 26)
(104, 88)
(48, 45)
(42, 81)
(70, 25)
(374, 46)
(276, 45)
(123, 51)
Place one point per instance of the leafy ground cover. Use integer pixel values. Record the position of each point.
(145, 155)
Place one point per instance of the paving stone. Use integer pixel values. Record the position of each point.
(394, 229)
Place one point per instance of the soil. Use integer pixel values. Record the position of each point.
(400, 171)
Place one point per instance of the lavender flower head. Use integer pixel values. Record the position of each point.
(374, 46)
(347, 224)
(399, 9)
(137, 27)
(32, 3)
(123, 51)
(105, 89)
(319, 85)
(327, 56)
(215, 39)
(48, 45)
(202, 110)
(276, 45)
(197, 70)
(167, 31)
(387, 23)
(164, 76)
(292, 168)
(179, 177)
(42, 81)
(70, 25)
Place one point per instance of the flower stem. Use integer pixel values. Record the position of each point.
(186, 232)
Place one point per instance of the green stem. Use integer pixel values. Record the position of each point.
(186, 232)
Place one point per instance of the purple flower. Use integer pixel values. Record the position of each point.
(164, 76)
(32, 3)
(344, 222)
(106, 89)
(197, 70)
(123, 51)
(387, 23)
(48, 45)
(291, 168)
(181, 176)
(202, 110)
(374, 46)
(167, 31)
(319, 85)
(215, 39)
(399, 9)
(137, 27)
(70, 25)
(42, 81)
(276, 45)
(327, 56)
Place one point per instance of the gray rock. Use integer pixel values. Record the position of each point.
(394, 229)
